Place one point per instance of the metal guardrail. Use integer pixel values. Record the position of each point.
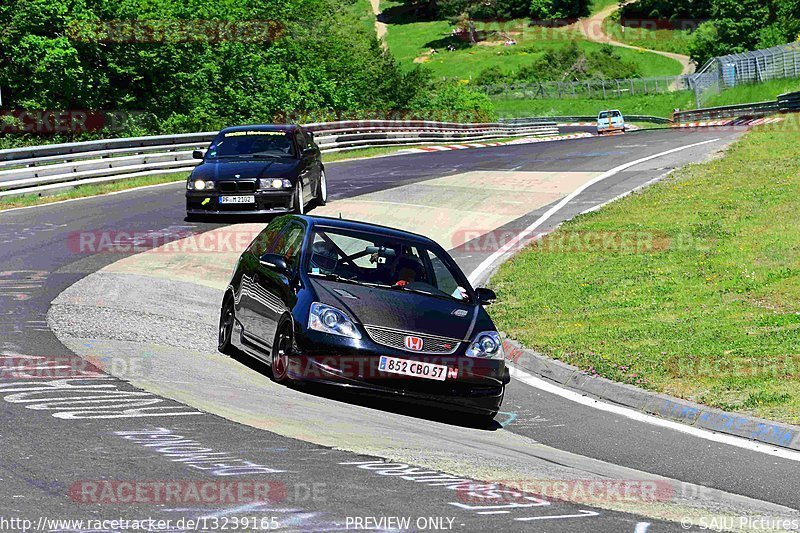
(788, 102)
(49, 168)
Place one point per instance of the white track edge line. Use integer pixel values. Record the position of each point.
(639, 416)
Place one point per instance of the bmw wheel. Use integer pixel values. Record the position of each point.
(322, 196)
(226, 321)
(281, 349)
(299, 199)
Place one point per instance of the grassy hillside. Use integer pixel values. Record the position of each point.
(675, 41)
(703, 303)
(410, 41)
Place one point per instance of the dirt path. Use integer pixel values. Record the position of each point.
(380, 27)
(593, 29)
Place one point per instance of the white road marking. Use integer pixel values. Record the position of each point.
(492, 259)
(639, 416)
(642, 527)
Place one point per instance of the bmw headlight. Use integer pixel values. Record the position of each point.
(274, 183)
(200, 185)
(328, 319)
(487, 345)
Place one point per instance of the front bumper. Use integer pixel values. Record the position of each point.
(353, 364)
(267, 202)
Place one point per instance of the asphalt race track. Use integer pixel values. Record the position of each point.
(169, 409)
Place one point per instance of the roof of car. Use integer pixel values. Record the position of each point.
(363, 226)
(262, 127)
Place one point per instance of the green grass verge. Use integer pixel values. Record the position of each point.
(757, 92)
(660, 105)
(83, 191)
(702, 301)
(408, 40)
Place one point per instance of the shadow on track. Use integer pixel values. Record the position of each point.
(374, 400)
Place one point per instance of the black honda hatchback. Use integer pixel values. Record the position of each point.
(368, 308)
(255, 170)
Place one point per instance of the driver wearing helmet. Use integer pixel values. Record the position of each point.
(324, 257)
(408, 269)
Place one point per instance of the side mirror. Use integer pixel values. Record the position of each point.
(486, 296)
(308, 152)
(275, 262)
(197, 154)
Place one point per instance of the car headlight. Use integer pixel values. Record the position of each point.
(328, 319)
(200, 185)
(274, 183)
(486, 345)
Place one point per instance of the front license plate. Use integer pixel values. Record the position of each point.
(416, 369)
(237, 199)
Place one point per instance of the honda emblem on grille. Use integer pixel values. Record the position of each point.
(414, 343)
(237, 176)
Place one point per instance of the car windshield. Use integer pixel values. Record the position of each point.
(252, 144)
(378, 260)
(607, 114)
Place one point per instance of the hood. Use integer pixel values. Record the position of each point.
(246, 169)
(399, 309)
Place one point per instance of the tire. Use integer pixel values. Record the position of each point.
(227, 318)
(322, 193)
(281, 349)
(299, 199)
(485, 420)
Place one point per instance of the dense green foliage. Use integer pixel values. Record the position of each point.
(52, 56)
(558, 9)
(728, 26)
(502, 9)
(568, 63)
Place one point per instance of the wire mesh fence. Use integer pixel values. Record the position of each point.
(587, 89)
(757, 66)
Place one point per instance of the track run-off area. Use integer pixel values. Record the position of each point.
(111, 374)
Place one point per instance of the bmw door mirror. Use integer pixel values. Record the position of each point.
(197, 154)
(275, 262)
(486, 296)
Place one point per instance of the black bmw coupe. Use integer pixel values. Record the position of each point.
(365, 307)
(255, 170)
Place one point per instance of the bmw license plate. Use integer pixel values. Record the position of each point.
(237, 199)
(416, 369)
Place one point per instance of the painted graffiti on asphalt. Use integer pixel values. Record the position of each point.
(495, 498)
(193, 454)
(34, 382)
